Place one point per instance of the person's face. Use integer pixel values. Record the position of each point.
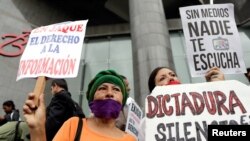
(54, 89)
(164, 76)
(7, 109)
(108, 90)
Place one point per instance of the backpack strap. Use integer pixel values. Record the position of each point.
(79, 130)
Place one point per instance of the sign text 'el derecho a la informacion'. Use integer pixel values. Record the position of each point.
(183, 112)
(53, 51)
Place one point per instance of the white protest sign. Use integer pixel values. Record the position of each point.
(183, 112)
(53, 51)
(133, 119)
(212, 39)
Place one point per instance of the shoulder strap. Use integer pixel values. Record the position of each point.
(16, 131)
(79, 130)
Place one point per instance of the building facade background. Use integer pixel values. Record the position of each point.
(131, 37)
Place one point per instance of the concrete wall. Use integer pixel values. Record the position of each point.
(12, 22)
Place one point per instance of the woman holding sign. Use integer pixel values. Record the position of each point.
(162, 76)
(106, 96)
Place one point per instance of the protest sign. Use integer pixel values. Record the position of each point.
(53, 51)
(183, 112)
(133, 119)
(212, 39)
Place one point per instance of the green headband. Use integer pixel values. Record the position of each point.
(108, 76)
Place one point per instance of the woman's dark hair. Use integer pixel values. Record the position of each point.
(151, 80)
(248, 70)
(61, 83)
(9, 103)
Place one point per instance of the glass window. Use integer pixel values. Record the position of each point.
(101, 54)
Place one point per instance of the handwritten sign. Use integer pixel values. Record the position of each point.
(53, 51)
(134, 119)
(212, 39)
(183, 112)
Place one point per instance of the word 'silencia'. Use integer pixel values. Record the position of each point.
(216, 132)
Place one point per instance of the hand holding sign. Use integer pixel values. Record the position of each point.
(52, 51)
(33, 111)
(214, 74)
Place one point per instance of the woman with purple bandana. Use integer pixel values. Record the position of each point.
(106, 95)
